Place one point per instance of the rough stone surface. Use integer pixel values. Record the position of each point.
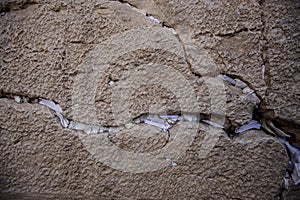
(282, 63)
(41, 157)
(256, 41)
(8, 5)
(230, 30)
(106, 64)
(51, 51)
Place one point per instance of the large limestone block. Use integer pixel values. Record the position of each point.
(43, 44)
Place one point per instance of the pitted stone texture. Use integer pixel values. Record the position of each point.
(240, 106)
(147, 95)
(199, 17)
(238, 55)
(140, 138)
(38, 156)
(283, 64)
(157, 97)
(150, 75)
(43, 45)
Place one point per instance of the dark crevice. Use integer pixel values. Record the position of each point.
(186, 58)
(206, 33)
(283, 124)
(230, 129)
(228, 34)
(24, 98)
(236, 32)
(258, 114)
(234, 76)
(184, 51)
(291, 127)
(264, 43)
(8, 6)
(121, 1)
(77, 42)
(200, 116)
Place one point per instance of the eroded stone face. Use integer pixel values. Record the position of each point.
(107, 64)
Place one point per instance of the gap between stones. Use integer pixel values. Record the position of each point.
(162, 121)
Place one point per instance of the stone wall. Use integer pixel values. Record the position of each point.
(112, 70)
